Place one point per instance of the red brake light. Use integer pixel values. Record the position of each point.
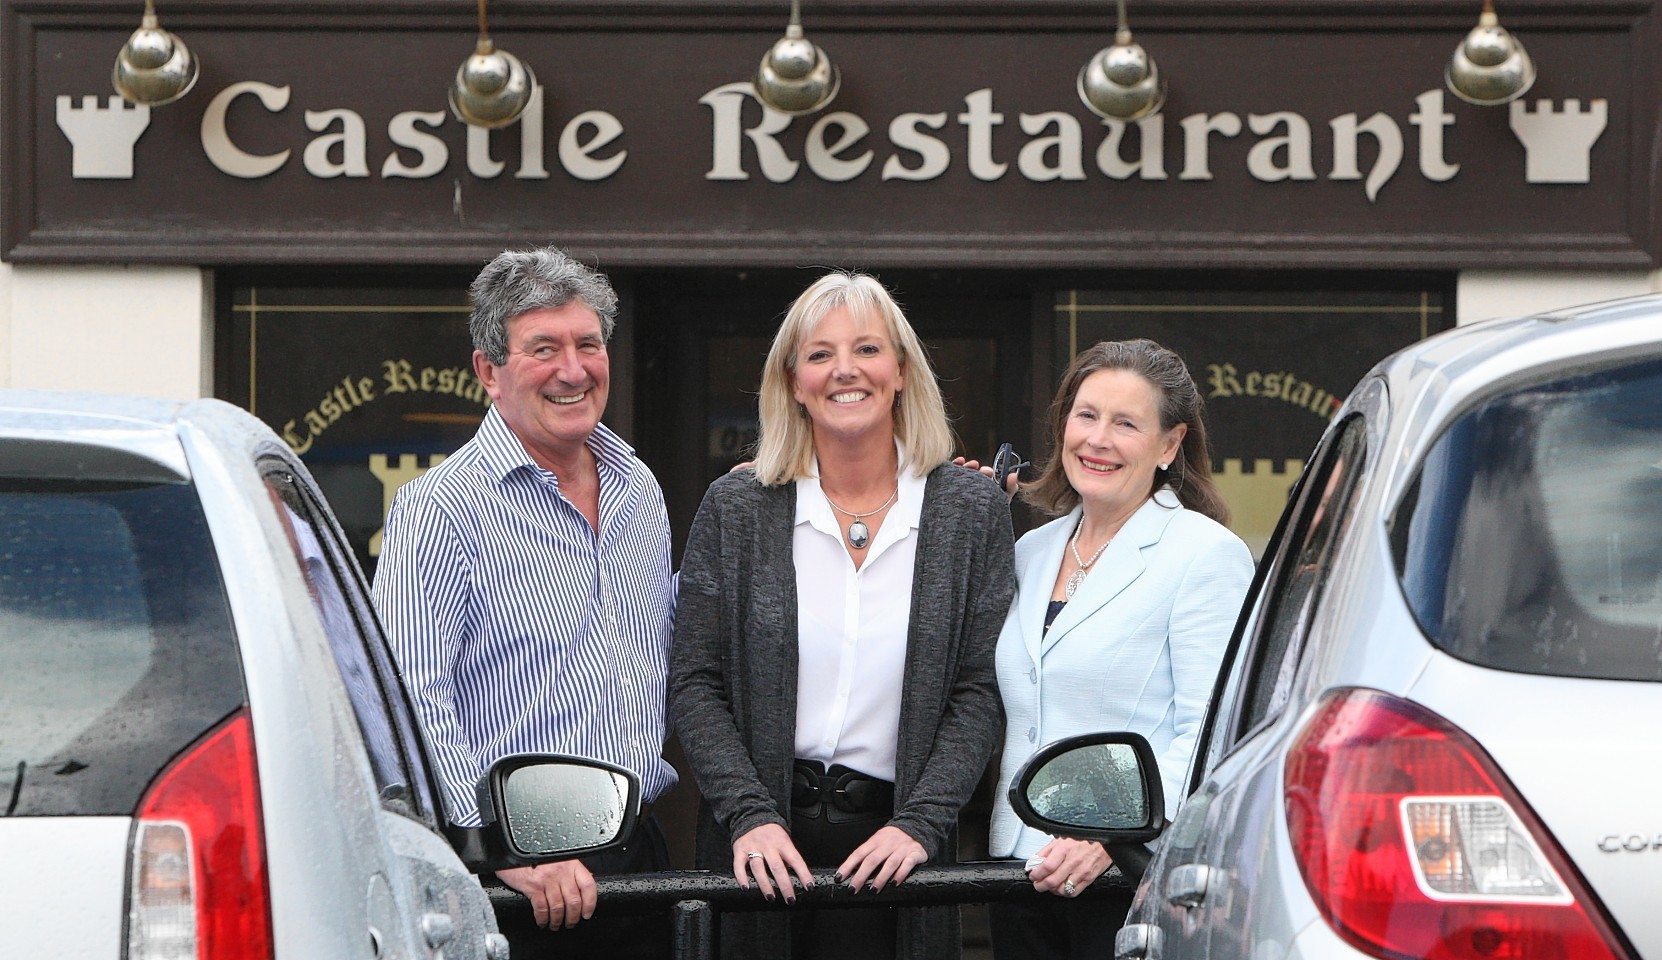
(1414, 844)
(198, 885)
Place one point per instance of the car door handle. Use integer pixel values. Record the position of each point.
(1138, 941)
(1186, 885)
(438, 928)
(496, 947)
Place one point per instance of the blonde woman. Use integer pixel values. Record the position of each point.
(832, 674)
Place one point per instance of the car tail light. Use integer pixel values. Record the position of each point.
(198, 890)
(1414, 844)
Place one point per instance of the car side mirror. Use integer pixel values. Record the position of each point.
(539, 808)
(1098, 786)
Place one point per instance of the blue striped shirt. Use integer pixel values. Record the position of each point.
(517, 629)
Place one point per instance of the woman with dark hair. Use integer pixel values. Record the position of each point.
(1123, 606)
(831, 679)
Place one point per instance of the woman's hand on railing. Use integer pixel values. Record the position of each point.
(1069, 866)
(888, 856)
(767, 854)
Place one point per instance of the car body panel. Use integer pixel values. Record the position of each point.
(143, 427)
(290, 672)
(33, 902)
(304, 729)
(340, 861)
(1318, 941)
(439, 887)
(1245, 850)
(1586, 789)
(1576, 749)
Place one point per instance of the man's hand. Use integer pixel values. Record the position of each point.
(561, 894)
(888, 857)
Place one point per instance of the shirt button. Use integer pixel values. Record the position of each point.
(1033, 674)
(1032, 734)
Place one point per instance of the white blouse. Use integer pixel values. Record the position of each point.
(851, 630)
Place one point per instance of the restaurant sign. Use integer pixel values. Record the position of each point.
(1557, 141)
(987, 157)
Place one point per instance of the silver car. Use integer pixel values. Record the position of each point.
(205, 752)
(1432, 735)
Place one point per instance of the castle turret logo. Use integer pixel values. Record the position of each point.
(1559, 143)
(102, 137)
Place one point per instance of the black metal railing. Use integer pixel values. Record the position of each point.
(693, 898)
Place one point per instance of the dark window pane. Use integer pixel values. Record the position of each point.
(116, 639)
(1325, 514)
(343, 611)
(1532, 538)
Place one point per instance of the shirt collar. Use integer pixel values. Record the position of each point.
(502, 453)
(813, 508)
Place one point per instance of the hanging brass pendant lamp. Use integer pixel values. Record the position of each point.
(492, 87)
(796, 77)
(154, 66)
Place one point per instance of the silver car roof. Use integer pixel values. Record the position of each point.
(144, 427)
(1433, 381)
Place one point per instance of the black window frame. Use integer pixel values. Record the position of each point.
(1303, 568)
(420, 800)
(1228, 723)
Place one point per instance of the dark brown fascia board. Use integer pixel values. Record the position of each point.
(1201, 251)
(842, 15)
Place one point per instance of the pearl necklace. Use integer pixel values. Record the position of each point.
(1078, 576)
(858, 533)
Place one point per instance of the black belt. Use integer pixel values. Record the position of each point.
(814, 788)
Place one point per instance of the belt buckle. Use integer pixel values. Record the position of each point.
(806, 790)
(840, 796)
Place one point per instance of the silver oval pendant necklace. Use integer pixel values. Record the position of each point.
(858, 533)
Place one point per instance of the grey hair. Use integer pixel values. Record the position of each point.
(519, 281)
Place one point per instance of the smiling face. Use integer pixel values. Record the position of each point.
(1113, 442)
(847, 373)
(552, 389)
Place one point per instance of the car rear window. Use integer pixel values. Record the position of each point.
(116, 647)
(1532, 538)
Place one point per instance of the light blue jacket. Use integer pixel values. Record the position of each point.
(1137, 648)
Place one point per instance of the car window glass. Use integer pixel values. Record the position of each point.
(1295, 586)
(116, 640)
(1530, 539)
(373, 691)
(1225, 702)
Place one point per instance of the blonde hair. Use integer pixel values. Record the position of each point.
(785, 444)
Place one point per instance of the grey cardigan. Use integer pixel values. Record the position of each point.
(732, 688)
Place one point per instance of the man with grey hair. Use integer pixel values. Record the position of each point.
(525, 581)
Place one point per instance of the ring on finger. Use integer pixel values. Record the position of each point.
(1068, 889)
(753, 855)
